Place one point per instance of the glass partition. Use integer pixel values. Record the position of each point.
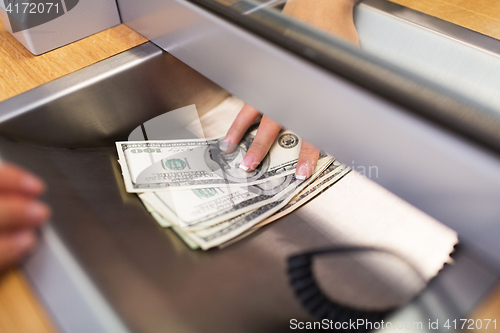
(443, 71)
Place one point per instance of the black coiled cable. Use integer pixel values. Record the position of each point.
(317, 303)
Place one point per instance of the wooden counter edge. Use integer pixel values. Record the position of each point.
(477, 15)
(21, 71)
(20, 309)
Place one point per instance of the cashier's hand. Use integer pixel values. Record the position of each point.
(20, 213)
(332, 16)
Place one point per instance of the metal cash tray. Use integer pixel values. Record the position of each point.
(104, 265)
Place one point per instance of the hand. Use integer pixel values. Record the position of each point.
(266, 134)
(20, 213)
(332, 16)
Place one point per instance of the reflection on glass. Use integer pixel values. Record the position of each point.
(406, 56)
(333, 17)
(330, 17)
(313, 22)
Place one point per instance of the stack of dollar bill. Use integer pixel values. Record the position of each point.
(199, 191)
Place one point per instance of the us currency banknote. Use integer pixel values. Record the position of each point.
(225, 231)
(200, 163)
(329, 177)
(167, 224)
(326, 179)
(295, 196)
(213, 205)
(203, 207)
(156, 215)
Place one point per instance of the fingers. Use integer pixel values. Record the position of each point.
(308, 158)
(266, 134)
(18, 212)
(14, 245)
(15, 180)
(240, 125)
(265, 137)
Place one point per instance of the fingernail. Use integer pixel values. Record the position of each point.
(247, 162)
(227, 145)
(37, 211)
(23, 239)
(31, 184)
(302, 171)
(224, 144)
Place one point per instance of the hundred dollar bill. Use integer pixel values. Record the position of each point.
(328, 178)
(157, 216)
(221, 233)
(201, 207)
(216, 204)
(160, 219)
(228, 232)
(199, 163)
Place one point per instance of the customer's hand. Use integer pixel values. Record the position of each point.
(266, 134)
(332, 16)
(20, 213)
